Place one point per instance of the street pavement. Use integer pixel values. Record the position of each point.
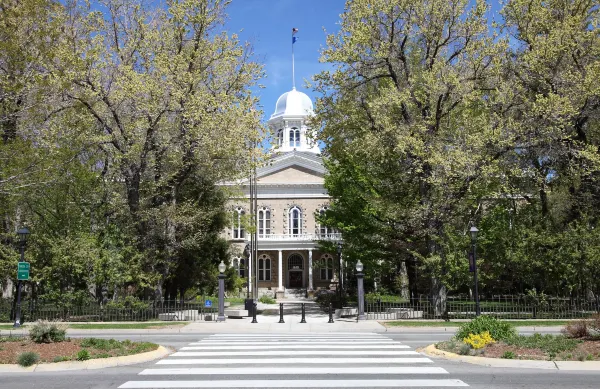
(316, 360)
(479, 377)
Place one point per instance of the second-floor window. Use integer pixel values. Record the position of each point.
(323, 229)
(237, 229)
(280, 138)
(264, 268)
(264, 221)
(294, 137)
(295, 221)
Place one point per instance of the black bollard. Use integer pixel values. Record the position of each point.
(281, 313)
(330, 314)
(303, 315)
(254, 313)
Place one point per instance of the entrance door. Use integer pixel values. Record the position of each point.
(295, 279)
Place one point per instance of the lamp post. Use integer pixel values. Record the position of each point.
(221, 315)
(473, 266)
(23, 233)
(340, 282)
(361, 291)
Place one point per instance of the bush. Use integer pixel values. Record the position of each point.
(266, 299)
(552, 344)
(464, 349)
(60, 359)
(46, 332)
(83, 355)
(499, 330)
(576, 329)
(101, 344)
(477, 341)
(594, 323)
(27, 358)
(324, 297)
(508, 355)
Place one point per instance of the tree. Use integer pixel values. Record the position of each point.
(405, 114)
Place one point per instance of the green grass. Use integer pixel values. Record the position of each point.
(6, 327)
(122, 326)
(517, 323)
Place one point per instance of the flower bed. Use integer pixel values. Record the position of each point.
(70, 349)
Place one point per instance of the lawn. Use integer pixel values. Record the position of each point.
(122, 326)
(517, 323)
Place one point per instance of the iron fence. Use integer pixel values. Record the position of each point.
(504, 307)
(149, 310)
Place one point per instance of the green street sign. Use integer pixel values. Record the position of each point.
(23, 271)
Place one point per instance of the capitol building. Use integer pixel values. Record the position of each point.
(289, 193)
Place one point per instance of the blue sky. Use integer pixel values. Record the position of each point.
(267, 24)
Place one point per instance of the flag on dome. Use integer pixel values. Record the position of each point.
(294, 30)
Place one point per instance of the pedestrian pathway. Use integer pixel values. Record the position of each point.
(319, 360)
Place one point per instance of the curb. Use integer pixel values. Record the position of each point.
(92, 364)
(432, 351)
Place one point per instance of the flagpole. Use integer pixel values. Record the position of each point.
(293, 70)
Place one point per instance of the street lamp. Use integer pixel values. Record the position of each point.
(361, 291)
(473, 266)
(23, 233)
(340, 281)
(221, 315)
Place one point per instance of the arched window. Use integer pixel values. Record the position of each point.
(237, 229)
(295, 262)
(323, 229)
(294, 137)
(264, 222)
(295, 221)
(280, 137)
(264, 268)
(326, 267)
(242, 268)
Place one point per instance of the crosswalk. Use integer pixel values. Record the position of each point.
(338, 360)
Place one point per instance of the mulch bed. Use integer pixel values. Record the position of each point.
(10, 350)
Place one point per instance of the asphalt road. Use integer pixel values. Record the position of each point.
(473, 375)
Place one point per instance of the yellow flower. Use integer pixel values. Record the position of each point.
(477, 341)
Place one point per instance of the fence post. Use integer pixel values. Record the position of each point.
(330, 314)
(281, 313)
(254, 313)
(303, 315)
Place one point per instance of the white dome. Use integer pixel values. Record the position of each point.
(293, 103)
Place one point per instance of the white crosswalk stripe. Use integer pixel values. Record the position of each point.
(295, 361)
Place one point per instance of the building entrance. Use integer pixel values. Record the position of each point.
(295, 271)
(295, 279)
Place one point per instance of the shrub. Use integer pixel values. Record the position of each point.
(594, 323)
(576, 329)
(508, 355)
(477, 341)
(101, 344)
(83, 355)
(548, 343)
(45, 332)
(266, 299)
(60, 359)
(464, 349)
(27, 358)
(498, 330)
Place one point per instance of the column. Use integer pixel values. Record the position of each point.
(249, 267)
(310, 270)
(280, 270)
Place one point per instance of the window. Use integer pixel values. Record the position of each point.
(294, 137)
(323, 230)
(326, 267)
(264, 222)
(239, 266)
(237, 226)
(295, 221)
(264, 268)
(295, 262)
(280, 137)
